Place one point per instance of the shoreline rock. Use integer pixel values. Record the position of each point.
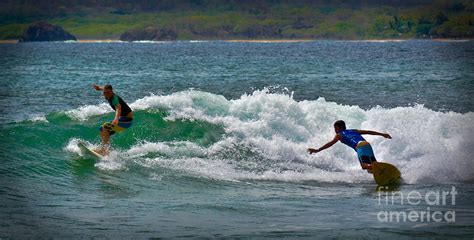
(45, 32)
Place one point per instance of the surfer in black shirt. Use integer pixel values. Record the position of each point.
(123, 117)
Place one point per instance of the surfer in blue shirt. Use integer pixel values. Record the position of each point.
(353, 138)
(123, 117)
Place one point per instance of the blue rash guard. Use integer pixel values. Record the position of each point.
(351, 138)
(354, 139)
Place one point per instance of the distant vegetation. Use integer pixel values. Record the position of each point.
(246, 19)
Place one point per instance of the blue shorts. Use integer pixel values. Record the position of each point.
(123, 123)
(365, 153)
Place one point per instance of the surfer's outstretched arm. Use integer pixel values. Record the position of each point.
(97, 87)
(327, 145)
(385, 135)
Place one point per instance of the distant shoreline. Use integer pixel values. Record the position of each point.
(10, 41)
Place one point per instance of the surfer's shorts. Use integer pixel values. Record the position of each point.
(123, 123)
(365, 153)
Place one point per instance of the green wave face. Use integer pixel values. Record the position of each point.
(36, 148)
(147, 126)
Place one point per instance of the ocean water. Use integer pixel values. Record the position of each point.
(218, 145)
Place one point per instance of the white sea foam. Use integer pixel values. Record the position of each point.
(174, 149)
(85, 112)
(72, 146)
(149, 41)
(267, 134)
(38, 118)
(111, 162)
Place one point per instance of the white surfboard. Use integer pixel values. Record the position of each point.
(89, 151)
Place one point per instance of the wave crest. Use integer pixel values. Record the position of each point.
(266, 135)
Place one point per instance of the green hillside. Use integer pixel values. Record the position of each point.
(247, 19)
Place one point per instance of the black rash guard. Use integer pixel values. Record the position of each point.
(118, 100)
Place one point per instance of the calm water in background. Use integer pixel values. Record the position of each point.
(218, 147)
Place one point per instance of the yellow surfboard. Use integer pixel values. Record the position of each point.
(385, 174)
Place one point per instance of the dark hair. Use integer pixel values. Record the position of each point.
(341, 124)
(108, 86)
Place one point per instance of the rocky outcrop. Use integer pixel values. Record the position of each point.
(150, 34)
(43, 31)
